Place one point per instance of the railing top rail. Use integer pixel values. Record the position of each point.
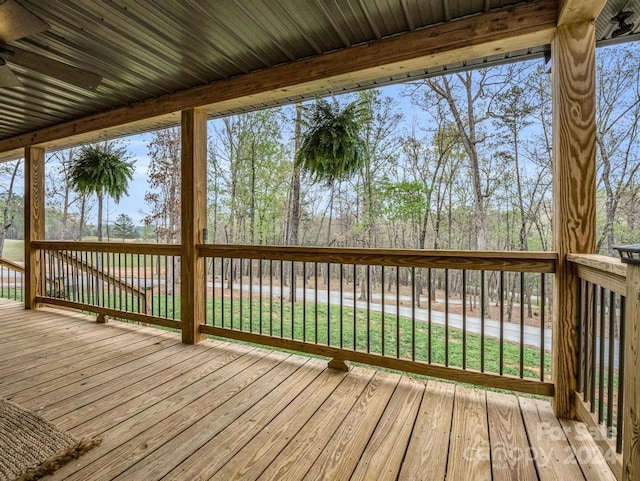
(471, 260)
(12, 265)
(607, 272)
(612, 265)
(113, 247)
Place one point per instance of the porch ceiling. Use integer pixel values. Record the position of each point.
(147, 50)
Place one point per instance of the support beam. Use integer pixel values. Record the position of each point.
(33, 222)
(631, 419)
(194, 221)
(577, 11)
(526, 25)
(574, 169)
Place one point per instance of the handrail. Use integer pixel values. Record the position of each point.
(608, 272)
(12, 265)
(542, 262)
(400, 309)
(599, 401)
(503, 276)
(111, 247)
(8, 270)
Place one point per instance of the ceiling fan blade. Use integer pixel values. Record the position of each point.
(50, 67)
(18, 22)
(7, 77)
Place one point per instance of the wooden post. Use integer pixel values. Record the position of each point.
(574, 169)
(631, 414)
(194, 221)
(33, 222)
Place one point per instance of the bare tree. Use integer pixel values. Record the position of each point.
(10, 171)
(164, 176)
(618, 120)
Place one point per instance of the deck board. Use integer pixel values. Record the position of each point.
(266, 434)
(306, 446)
(426, 452)
(469, 451)
(510, 455)
(224, 411)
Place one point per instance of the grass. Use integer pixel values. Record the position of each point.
(13, 293)
(13, 250)
(326, 325)
(360, 330)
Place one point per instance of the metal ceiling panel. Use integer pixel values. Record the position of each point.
(144, 48)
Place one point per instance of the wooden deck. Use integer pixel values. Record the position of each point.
(223, 411)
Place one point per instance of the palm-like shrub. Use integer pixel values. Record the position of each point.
(333, 148)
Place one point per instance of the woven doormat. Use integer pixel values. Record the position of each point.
(31, 447)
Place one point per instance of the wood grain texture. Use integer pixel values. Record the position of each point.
(33, 221)
(473, 260)
(426, 452)
(550, 448)
(510, 457)
(341, 454)
(469, 451)
(602, 278)
(165, 353)
(304, 449)
(527, 25)
(631, 420)
(511, 383)
(38, 396)
(593, 465)
(606, 445)
(576, 11)
(280, 388)
(193, 198)
(608, 272)
(382, 460)
(145, 318)
(70, 361)
(163, 399)
(612, 265)
(162, 406)
(113, 247)
(11, 265)
(574, 169)
(222, 403)
(251, 436)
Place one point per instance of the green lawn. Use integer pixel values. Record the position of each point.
(365, 334)
(16, 294)
(13, 250)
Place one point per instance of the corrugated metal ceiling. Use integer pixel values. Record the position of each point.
(145, 49)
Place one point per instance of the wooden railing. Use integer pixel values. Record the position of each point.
(476, 317)
(607, 363)
(11, 280)
(129, 281)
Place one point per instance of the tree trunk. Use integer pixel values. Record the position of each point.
(100, 197)
(293, 222)
(8, 215)
(83, 208)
